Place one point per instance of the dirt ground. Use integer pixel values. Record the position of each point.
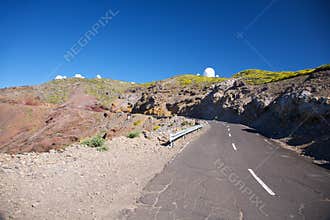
(80, 182)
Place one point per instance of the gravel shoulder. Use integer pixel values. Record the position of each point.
(80, 182)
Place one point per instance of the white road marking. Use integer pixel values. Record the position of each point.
(269, 144)
(267, 141)
(234, 146)
(229, 134)
(261, 183)
(228, 129)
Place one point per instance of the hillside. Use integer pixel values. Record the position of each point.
(257, 77)
(60, 112)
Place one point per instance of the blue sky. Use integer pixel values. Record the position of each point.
(152, 40)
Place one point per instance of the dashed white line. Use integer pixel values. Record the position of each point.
(234, 146)
(229, 134)
(228, 129)
(261, 183)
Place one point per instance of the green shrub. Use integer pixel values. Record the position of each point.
(184, 123)
(136, 123)
(156, 127)
(95, 142)
(102, 148)
(133, 134)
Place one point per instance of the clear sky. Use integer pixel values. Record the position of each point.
(149, 40)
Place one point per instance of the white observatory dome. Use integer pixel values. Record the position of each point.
(209, 72)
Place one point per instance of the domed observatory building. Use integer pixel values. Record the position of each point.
(209, 72)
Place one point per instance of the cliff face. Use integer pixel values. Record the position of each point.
(295, 110)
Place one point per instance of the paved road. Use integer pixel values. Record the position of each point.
(233, 173)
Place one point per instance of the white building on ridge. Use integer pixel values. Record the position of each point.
(209, 72)
(60, 77)
(77, 75)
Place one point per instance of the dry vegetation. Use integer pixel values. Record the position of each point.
(256, 76)
(189, 79)
(58, 91)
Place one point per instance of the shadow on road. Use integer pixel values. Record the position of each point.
(310, 131)
(309, 140)
(313, 145)
(326, 166)
(250, 130)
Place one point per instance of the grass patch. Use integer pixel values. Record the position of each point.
(133, 134)
(105, 90)
(256, 77)
(95, 142)
(189, 79)
(55, 92)
(148, 84)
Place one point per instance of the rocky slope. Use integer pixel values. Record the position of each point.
(29, 122)
(294, 110)
(293, 107)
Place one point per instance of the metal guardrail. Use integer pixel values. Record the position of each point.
(179, 134)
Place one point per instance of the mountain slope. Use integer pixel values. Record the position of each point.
(294, 110)
(290, 106)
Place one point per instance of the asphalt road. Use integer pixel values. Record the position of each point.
(231, 172)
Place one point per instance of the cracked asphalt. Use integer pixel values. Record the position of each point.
(231, 172)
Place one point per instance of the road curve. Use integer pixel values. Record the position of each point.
(231, 172)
